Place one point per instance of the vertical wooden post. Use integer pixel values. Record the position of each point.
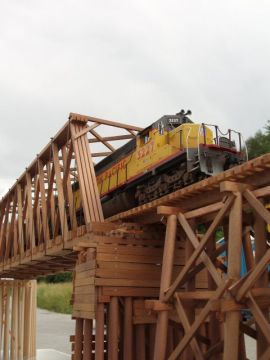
(140, 342)
(152, 332)
(165, 282)
(14, 325)
(113, 328)
(27, 312)
(21, 334)
(190, 286)
(1, 313)
(128, 329)
(34, 318)
(232, 319)
(99, 338)
(260, 250)
(214, 325)
(78, 339)
(7, 322)
(170, 341)
(87, 339)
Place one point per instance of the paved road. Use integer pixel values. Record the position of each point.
(53, 331)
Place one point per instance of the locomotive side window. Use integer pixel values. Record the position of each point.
(145, 137)
(161, 128)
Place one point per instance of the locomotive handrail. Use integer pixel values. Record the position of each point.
(245, 146)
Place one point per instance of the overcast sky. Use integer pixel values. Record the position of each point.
(130, 61)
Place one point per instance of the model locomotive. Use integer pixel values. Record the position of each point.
(171, 153)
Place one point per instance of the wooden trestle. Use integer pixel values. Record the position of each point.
(151, 282)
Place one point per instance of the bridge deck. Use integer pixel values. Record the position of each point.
(255, 172)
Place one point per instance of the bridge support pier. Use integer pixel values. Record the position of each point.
(18, 319)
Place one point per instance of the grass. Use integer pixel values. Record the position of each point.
(55, 297)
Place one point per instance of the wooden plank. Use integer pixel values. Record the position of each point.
(87, 343)
(232, 319)
(134, 250)
(83, 282)
(86, 290)
(60, 192)
(140, 342)
(135, 259)
(257, 206)
(87, 207)
(253, 276)
(130, 291)
(85, 118)
(99, 336)
(266, 354)
(84, 307)
(126, 282)
(114, 328)
(259, 318)
(195, 295)
(78, 339)
(84, 298)
(88, 265)
(20, 220)
(128, 330)
(67, 158)
(83, 314)
(166, 278)
(85, 274)
(260, 249)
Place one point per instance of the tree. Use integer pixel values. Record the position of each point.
(259, 144)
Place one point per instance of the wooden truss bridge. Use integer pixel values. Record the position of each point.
(152, 282)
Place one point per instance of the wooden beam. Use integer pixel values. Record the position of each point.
(232, 318)
(260, 249)
(85, 118)
(112, 138)
(128, 329)
(166, 278)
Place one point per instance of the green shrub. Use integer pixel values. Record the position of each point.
(55, 297)
(57, 278)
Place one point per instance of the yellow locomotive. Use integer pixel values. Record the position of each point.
(171, 153)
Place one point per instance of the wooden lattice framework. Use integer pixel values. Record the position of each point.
(182, 318)
(228, 292)
(38, 223)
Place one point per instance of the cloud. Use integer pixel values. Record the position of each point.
(131, 61)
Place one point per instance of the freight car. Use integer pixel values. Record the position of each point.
(171, 153)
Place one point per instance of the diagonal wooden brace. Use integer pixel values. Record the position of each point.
(201, 317)
(195, 242)
(186, 325)
(180, 279)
